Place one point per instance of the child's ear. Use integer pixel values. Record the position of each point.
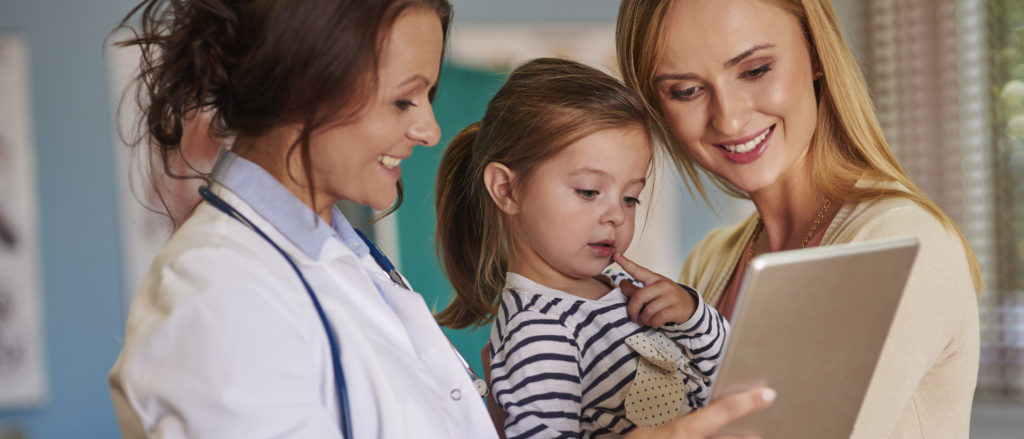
(500, 180)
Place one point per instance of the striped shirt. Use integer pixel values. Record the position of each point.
(560, 366)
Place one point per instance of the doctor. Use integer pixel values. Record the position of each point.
(267, 315)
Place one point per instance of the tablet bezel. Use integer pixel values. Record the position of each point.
(811, 324)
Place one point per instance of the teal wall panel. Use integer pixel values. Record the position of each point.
(462, 97)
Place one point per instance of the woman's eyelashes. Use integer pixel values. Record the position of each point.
(683, 93)
(631, 201)
(758, 72)
(404, 104)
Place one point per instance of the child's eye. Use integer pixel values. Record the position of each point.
(758, 73)
(631, 201)
(586, 194)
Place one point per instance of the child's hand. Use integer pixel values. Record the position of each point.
(660, 301)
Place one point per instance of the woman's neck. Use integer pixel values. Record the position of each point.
(270, 152)
(792, 210)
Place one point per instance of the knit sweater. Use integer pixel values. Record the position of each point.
(924, 382)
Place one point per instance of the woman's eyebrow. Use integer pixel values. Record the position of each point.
(414, 78)
(728, 64)
(738, 58)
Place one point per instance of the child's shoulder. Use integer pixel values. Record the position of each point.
(523, 314)
(525, 303)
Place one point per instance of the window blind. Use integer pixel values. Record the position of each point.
(930, 66)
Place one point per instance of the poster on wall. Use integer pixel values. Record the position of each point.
(22, 366)
(150, 204)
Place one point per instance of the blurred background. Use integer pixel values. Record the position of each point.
(947, 77)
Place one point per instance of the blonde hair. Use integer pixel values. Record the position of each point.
(545, 106)
(848, 143)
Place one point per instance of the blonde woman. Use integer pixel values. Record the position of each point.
(766, 99)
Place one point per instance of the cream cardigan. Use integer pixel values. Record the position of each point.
(924, 382)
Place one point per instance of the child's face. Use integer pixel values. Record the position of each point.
(580, 206)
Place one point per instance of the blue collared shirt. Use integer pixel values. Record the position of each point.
(281, 208)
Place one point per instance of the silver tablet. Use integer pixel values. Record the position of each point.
(811, 324)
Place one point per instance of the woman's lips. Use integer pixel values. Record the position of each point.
(749, 150)
(391, 163)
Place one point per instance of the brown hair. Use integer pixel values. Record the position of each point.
(545, 106)
(255, 65)
(848, 143)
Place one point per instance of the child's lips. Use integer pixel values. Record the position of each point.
(603, 249)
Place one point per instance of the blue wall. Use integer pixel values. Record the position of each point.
(82, 305)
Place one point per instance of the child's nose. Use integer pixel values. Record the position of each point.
(614, 214)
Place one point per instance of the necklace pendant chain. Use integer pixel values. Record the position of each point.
(810, 233)
(817, 220)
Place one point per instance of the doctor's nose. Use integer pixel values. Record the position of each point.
(425, 130)
(730, 112)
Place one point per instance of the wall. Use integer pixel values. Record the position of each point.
(79, 242)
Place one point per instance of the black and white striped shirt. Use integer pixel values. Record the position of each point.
(560, 366)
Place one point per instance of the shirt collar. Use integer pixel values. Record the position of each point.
(275, 203)
(518, 282)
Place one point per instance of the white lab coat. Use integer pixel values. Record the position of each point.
(223, 342)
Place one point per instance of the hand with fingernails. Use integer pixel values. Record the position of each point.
(659, 302)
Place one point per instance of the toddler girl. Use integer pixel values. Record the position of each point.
(533, 202)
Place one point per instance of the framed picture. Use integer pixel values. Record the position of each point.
(22, 366)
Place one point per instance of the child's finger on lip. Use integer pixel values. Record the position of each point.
(639, 273)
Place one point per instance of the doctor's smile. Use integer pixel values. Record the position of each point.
(390, 162)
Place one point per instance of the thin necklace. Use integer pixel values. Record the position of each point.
(810, 233)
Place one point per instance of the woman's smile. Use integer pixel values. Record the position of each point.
(748, 149)
(390, 162)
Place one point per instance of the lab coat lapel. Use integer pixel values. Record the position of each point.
(427, 339)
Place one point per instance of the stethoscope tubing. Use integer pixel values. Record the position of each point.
(339, 375)
(382, 261)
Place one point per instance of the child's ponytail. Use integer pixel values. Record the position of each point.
(471, 248)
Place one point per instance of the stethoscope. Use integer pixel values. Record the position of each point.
(381, 260)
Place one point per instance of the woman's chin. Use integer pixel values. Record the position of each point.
(383, 202)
